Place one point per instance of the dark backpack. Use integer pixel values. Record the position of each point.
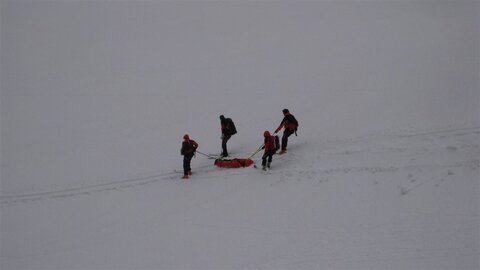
(277, 143)
(293, 121)
(189, 148)
(230, 126)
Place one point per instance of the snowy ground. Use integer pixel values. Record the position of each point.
(96, 96)
(405, 201)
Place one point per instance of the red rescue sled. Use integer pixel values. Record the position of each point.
(234, 163)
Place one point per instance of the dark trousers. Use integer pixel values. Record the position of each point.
(286, 133)
(186, 164)
(224, 144)
(267, 156)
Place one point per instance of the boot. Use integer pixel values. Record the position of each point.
(190, 172)
(264, 167)
(282, 152)
(185, 177)
(268, 165)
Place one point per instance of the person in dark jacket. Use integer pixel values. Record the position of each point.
(290, 124)
(228, 129)
(188, 151)
(269, 146)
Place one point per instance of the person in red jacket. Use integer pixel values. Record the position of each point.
(188, 151)
(290, 124)
(269, 146)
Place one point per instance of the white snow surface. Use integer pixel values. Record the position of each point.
(96, 96)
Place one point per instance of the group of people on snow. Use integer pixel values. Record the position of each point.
(289, 123)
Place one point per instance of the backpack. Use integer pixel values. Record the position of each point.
(230, 126)
(277, 143)
(292, 122)
(189, 148)
(194, 146)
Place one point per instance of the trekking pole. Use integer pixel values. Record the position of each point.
(256, 152)
(203, 154)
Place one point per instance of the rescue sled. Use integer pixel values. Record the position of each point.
(233, 163)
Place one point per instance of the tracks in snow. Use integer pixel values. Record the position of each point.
(90, 189)
(372, 148)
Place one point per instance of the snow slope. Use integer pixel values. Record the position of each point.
(407, 201)
(96, 96)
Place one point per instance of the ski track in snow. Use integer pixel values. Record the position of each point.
(416, 154)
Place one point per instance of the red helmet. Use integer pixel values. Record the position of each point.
(266, 133)
(186, 137)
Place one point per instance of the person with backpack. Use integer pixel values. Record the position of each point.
(188, 151)
(228, 129)
(291, 125)
(270, 149)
